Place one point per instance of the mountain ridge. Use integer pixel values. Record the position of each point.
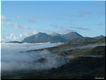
(55, 37)
(43, 37)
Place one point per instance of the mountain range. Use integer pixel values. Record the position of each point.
(85, 56)
(56, 37)
(53, 38)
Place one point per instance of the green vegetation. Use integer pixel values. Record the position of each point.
(61, 49)
(96, 51)
(77, 43)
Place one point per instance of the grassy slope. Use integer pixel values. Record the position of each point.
(75, 43)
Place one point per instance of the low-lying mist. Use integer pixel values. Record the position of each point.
(12, 59)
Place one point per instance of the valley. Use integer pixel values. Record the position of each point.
(79, 58)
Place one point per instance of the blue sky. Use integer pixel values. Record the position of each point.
(23, 18)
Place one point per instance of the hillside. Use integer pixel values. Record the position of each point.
(75, 44)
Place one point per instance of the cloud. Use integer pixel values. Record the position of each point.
(13, 25)
(80, 28)
(80, 14)
(11, 37)
(8, 23)
(70, 28)
(100, 24)
(18, 17)
(14, 36)
(65, 29)
(29, 33)
(19, 26)
(32, 20)
(62, 29)
(3, 18)
(84, 13)
(20, 35)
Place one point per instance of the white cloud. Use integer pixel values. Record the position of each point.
(3, 18)
(13, 25)
(20, 35)
(12, 36)
(15, 37)
(6, 22)
(32, 20)
(30, 33)
(18, 17)
(16, 25)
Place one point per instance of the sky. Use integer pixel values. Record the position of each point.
(24, 18)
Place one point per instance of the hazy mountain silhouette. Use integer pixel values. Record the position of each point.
(43, 37)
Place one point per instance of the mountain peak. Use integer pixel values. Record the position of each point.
(72, 35)
(40, 33)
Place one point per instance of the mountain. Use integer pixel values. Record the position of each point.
(57, 38)
(99, 37)
(40, 37)
(43, 37)
(72, 35)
